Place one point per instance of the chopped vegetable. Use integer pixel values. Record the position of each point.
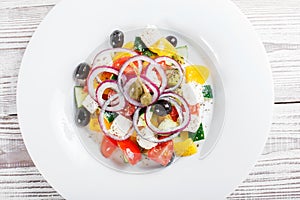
(80, 95)
(207, 91)
(198, 135)
(163, 48)
(108, 146)
(129, 45)
(183, 51)
(94, 124)
(143, 100)
(174, 114)
(185, 148)
(162, 153)
(131, 151)
(110, 116)
(196, 73)
(141, 47)
(173, 77)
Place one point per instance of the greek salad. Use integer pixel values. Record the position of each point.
(143, 97)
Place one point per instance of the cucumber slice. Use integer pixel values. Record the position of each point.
(207, 92)
(198, 135)
(183, 51)
(110, 116)
(140, 46)
(79, 96)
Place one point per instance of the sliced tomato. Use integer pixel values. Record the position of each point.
(108, 146)
(174, 114)
(119, 63)
(128, 110)
(162, 153)
(131, 151)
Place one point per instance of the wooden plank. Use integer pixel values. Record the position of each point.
(13, 152)
(26, 3)
(276, 174)
(18, 24)
(10, 61)
(25, 183)
(278, 25)
(282, 43)
(286, 73)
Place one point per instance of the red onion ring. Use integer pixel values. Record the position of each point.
(151, 62)
(111, 51)
(152, 139)
(176, 65)
(94, 75)
(148, 116)
(120, 104)
(102, 124)
(184, 115)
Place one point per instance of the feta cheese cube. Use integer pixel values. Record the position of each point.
(194, 123)
(146, 133)
(192, 92)
(150, 36)
(90, 104)
(121, 126)
(167, 124)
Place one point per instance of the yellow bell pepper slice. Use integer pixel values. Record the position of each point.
(196, 73)
(128, 45)
(94, 124)
(163, 47)
(185, 148)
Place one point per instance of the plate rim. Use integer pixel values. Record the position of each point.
(22, 120)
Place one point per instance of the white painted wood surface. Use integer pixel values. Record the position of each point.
(276, 175)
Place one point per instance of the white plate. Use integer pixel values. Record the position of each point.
(67, 36)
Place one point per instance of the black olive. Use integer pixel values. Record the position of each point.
(172, 40)
(162, 108)
(117, 39)
(82, 117)
(82, 71)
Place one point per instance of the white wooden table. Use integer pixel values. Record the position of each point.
(276, 174)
